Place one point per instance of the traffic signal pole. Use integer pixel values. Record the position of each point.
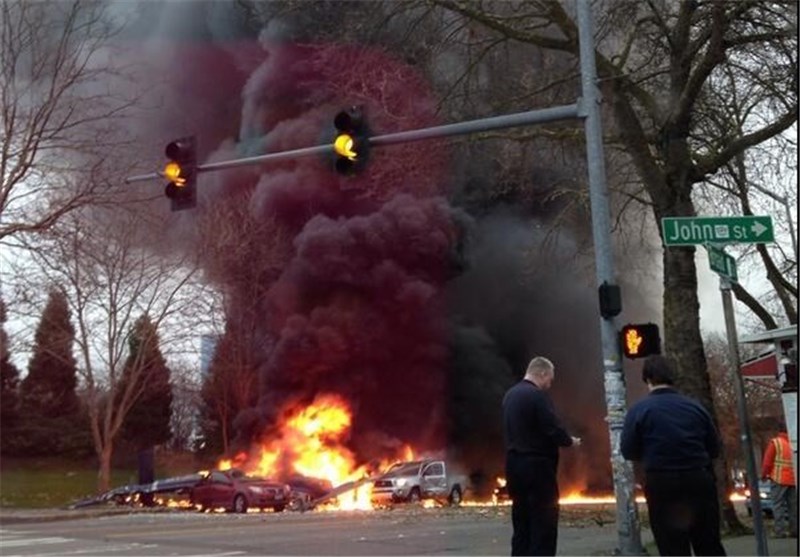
(461, 128)
(587, 108)
(628, 528)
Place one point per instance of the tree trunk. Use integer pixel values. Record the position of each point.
(729, 520)
(104, 469)
(225, 442)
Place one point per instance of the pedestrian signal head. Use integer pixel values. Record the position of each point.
(640, 340)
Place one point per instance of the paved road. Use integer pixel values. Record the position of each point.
(466, 531)
(399, 532)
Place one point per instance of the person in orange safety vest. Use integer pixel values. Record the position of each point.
(777, 466)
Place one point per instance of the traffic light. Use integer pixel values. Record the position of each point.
(351, 143)
(181, 171)
(640, 340)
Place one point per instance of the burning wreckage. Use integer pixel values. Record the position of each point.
(308, 464)
(235, 491)
(231, 489)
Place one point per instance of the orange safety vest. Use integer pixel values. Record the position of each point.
(782, 471)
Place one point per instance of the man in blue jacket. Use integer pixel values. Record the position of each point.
(674, 438)
(533, 435)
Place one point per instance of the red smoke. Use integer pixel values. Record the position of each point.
(356, 304)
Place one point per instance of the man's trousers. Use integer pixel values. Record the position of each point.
(684, 511)
(784, 509)
(533, 489)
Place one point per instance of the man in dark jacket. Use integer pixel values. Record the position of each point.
(674, 438)
(533, 435)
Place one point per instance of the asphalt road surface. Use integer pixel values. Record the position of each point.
(413, 531)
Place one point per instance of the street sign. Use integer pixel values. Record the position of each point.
(688, 231)
(722, 263)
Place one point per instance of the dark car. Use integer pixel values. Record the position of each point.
(305, 491)
(235, 491)
(764, 489)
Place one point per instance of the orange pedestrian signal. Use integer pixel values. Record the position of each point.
(640, 340)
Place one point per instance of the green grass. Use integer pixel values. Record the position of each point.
(52, 488)
(48, 483)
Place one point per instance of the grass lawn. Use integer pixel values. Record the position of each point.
(42, 483)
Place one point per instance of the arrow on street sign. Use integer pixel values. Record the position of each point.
(688, 231)
(722, 263)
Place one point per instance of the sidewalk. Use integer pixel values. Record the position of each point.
(599, 541)
(739, 545)
(746, 545)
(22, 516)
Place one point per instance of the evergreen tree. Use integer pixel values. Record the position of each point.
(51, 418)
(230, 387)
(48, 391)
(147, 423)
(9, 383)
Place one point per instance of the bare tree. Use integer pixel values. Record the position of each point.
(242, 255)
(60, 106)
(763, 398)
(112, 275)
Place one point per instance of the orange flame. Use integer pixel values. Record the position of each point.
(310, 442)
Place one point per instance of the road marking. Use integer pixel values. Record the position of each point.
(229, 553)
(32, 541)
(102, 550)
(214, 527)
(15, 539)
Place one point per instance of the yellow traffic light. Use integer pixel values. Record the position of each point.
(351, 142)
(343, 145)
(640, 340)
(172, 171)
(181, 171)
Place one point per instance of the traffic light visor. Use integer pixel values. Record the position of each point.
(348, 120)
(178, 149)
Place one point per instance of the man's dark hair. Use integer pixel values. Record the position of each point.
(658, 370)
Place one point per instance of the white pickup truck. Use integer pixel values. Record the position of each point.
(419, 479)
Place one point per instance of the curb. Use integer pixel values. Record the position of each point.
(14, 516)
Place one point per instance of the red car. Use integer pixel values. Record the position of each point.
(236, 492)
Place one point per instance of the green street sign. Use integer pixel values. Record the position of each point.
(689, 231)
(722, 263)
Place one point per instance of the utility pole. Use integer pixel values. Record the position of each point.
(628, 529)
(587, 108)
